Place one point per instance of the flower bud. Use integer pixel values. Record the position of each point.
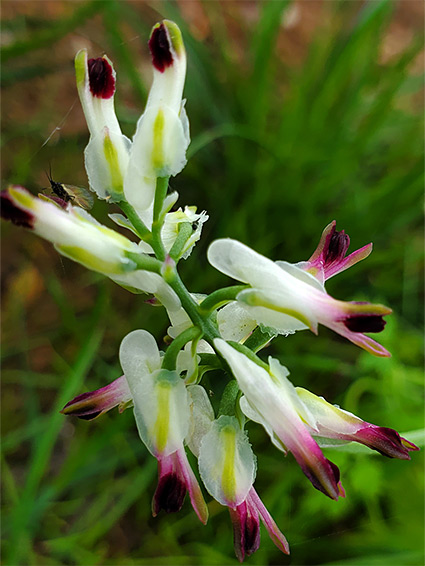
(107, 153)
(162, 134)
(73, 231)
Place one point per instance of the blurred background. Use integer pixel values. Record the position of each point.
(301, 112)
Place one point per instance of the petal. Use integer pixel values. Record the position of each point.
(387, 441)
(106, 160)
(235, 322)
(171, 489)
(90, 405)
(161, 405)
(201, 417)
(243, 264)
(139, 355)
(253, 415)
(195, 493)
(10, 209)
(329, 256)
(273, 530)
(175, 478)
(169, 65)
(226, 462)
(161, 410)
(148, 282)
(159, 150)
(246, 530)
(333, 422)
(107, 154)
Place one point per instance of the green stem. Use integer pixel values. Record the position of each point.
(220, 297)
(185, 232)
(210, 360)
(170, 358)
(258, 339)
(208, 327)
(160, 194)
(146, 262)
(142, 231)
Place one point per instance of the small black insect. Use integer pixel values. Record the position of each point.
(77, 195)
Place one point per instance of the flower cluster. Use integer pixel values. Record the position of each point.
(225, 329)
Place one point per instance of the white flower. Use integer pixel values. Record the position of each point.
(162, 134)
(162, 413)
(107, 153)
(227, 463)
(287, 298)
(274, 401)
(171, 226)
(74, 233)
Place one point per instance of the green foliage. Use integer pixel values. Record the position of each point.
(279, 149)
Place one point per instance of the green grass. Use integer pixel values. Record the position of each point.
(278, 151)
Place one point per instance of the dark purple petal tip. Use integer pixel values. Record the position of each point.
(169, 494)
(337, 247)
(101, 78)
(84, 406)
(386, 441)
(160, 48)
(252, 535)
(246, 530)
(10, 211)
(328, 481)
(365, 323)
(91, 404)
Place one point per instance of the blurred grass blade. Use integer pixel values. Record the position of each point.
(46, 441)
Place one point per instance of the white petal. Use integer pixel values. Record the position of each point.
(329, 418)
(249, 411)
(148, 282)
(201, 419)
(227, 464)
(235, 322)
(159, 150)
(139, 355)
(106, 178)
